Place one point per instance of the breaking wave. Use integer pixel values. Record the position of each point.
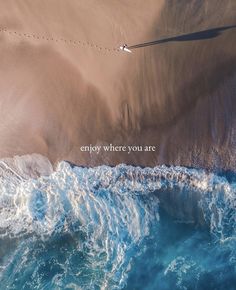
(112, 227)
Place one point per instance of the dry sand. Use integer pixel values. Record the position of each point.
(63, 84)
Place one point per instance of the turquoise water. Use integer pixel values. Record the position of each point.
(118, 228)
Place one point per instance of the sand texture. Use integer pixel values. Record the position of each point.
(64, 84)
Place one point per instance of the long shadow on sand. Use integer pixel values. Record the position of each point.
(199, 35)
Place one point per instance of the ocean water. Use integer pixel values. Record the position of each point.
(118, 227)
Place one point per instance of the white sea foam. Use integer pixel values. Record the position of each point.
(111, 210)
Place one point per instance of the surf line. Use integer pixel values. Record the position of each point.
(12, 171)
(59, 40)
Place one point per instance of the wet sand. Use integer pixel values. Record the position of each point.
(63, 84)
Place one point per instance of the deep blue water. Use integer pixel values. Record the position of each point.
(118, 228)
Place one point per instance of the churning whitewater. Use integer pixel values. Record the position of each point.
(95, 228)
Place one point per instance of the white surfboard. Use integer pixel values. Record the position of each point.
(127, 50)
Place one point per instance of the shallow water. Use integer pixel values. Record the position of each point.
(118, 227)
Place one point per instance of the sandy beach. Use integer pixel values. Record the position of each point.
(64, 83)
